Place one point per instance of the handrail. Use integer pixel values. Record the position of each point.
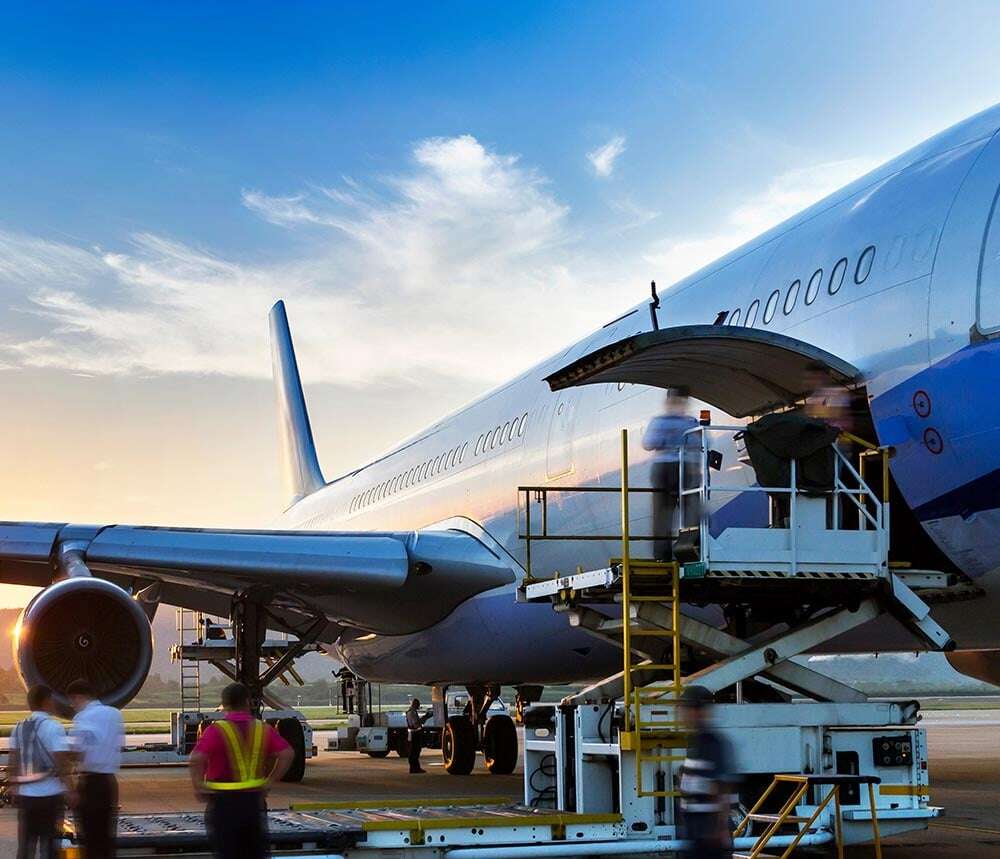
(849, 483)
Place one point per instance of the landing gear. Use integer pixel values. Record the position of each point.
(500, 745)
(458, 745)
(291, 732)
(249, 620)
(477, 729)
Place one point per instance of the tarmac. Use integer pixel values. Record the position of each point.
(964, 778)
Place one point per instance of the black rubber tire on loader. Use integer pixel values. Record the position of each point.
(403, 746)
(500, 745)
(292, 733)
(458, 746)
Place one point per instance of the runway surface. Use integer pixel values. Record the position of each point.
(965, 779)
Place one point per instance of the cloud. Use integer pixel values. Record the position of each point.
(604, 157)
(463, 266)
(677, 256)
(456, 267)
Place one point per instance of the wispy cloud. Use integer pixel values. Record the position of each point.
(464, 265)
(604, 158)
(677, 256)
(429, 271)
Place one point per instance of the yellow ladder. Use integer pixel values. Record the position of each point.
(652, 739)
(800, 785)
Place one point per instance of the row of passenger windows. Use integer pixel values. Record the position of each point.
(418, 474)
(862, 269)
(445, 462)
(501, 435)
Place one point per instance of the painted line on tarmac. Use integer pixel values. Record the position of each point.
(978, 829)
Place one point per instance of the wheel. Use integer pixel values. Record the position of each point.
(500, 745)
(403, 746)
(377, 754)
(458, 746)
(292, 733)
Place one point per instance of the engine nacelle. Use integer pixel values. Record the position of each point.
(85, 628)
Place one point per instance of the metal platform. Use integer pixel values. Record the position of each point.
(313, 829)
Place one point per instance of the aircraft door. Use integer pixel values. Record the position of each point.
(988, 300)
(559, 449)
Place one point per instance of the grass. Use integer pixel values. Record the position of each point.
(156, 720)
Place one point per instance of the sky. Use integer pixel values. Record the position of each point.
(442, 193)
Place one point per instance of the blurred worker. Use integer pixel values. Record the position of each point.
(706, 781)
(39, 768)
(98, 734)
(831, 403)
(665, 436)
(415, 734)
(233, 765)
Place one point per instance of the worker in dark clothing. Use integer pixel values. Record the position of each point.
(706, 781)
(666, 436)
(415, 734)
(234, 764)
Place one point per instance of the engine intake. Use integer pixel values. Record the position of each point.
(85, 628)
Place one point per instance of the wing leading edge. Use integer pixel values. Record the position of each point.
(390, 582)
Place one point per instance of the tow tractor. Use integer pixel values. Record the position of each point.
(819, 763)
(376, 732)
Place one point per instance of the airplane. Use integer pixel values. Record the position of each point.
(408, 565)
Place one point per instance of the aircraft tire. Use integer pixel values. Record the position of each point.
(291, 732)
(500, 745)
(458, 746)
(377, 754)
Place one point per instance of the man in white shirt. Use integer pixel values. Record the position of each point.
(98, 734)
(39, 769)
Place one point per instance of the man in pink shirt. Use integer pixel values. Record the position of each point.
(232, 767)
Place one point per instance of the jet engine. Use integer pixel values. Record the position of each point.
(88, 628)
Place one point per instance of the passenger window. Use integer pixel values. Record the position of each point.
(488, 441)
(864, 266)
(496, 437)
(505, 432)
(752, 314)
(792, 296)
(426, 471)
(461, 456)
(771, 306)
(734, 317)
(479, 444)
(837, 276)
(521, 424)
(812, 290)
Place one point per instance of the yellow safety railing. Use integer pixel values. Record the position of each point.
(800, 786)
(643, 580)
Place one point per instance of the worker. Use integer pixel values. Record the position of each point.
(39, 776)
(98, 734)
(233, 765)
(415, 734)
(706, 781)
(666, 436)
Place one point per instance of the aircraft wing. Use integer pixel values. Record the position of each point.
(388, 582)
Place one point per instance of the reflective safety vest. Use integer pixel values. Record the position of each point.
(246, 759)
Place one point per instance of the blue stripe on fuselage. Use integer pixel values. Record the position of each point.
(944, 423)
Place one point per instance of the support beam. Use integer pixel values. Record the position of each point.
(764, 656)
(707, 639)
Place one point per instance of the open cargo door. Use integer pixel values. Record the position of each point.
(743, 371)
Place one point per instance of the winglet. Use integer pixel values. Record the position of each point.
(298, 450)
